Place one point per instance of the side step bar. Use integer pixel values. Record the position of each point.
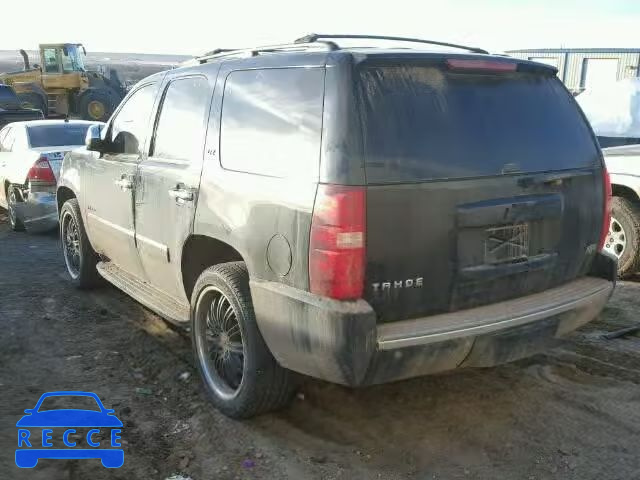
(149, 296)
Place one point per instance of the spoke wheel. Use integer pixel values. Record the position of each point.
(221, 347)
(616, 240)
(71, 244)
(12, 198)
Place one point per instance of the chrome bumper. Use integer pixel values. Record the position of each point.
(584, 297)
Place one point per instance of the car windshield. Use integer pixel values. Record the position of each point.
(8, 98)
(66, 402)
(57, 135)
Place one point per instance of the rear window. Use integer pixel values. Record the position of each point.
(421, 122)
(8, 98)
(57, 135)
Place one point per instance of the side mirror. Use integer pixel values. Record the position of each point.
(109, 411)
(29, 410)
(94, 141)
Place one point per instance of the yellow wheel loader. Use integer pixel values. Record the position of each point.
(61, 86)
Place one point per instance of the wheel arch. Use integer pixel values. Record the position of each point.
(200, 252)
(619, 190)
(63, 194)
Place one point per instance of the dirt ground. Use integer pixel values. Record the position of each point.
(572, 413)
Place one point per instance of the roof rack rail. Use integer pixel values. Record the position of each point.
(253, 51)
(317, 37)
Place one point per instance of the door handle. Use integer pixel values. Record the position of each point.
(181, 194)
(124, 183)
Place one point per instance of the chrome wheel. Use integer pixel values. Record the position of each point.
(71, 244)
(616, 240)
(11, 200)
(220, 344)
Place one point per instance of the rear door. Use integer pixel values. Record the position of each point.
(169, 179)
(112, 181)
(482, 186)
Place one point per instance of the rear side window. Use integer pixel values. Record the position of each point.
(422, 122)
(181, 125)
(272, 121)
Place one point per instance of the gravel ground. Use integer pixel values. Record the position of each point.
(573, 413)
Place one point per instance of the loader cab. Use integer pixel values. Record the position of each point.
(61, 58)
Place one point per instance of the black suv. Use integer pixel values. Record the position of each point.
(11, 110)
(360, 215)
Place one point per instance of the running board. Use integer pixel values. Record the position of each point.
(149, 296)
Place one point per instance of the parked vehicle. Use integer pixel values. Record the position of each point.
(359, 215)
(30, 157)
(623, 238)
(10, 109)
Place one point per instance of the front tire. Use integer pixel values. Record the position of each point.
(240, 375)
(14, 196)
(79, 257)
(623, 239)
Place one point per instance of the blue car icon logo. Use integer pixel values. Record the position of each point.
(69, 433)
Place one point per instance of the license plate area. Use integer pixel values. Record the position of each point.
(508, 243)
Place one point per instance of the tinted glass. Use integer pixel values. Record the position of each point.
(272, 120)
(129, 127)
(421, 122)
(181, 127)
(57, 135)
(8, 98)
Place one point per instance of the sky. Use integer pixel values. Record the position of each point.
(195, 26)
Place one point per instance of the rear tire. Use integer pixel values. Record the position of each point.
(14, 196)
(240, 385)
(624, 235)
(79, 256)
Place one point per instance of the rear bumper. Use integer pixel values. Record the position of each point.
(341, 342)
(38, 212)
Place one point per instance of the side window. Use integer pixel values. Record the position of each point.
(7, 141)
(20, 140)
(3, 133)
(271, 121)
(50, 61)
(181, 125)
(129, 126)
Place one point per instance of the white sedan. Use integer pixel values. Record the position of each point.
(31, 154)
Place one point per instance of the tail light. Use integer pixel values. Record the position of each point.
(41, 172)
(481, 65)
(337, 249)
(606, 216)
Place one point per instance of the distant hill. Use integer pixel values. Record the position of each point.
(131, 67)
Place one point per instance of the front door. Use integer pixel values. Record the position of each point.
(112, 184)
(169, 179)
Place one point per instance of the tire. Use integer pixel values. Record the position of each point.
(14, 196)
(80, 259)
(264, 385)
(624, 235)
(97, 105)
(34, 100)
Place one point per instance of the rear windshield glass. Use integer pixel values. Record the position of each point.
(421, 122)
(57, 135)
(8, 98)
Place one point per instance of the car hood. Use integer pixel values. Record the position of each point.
(69, 418)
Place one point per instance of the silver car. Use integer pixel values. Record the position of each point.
(30, 157)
